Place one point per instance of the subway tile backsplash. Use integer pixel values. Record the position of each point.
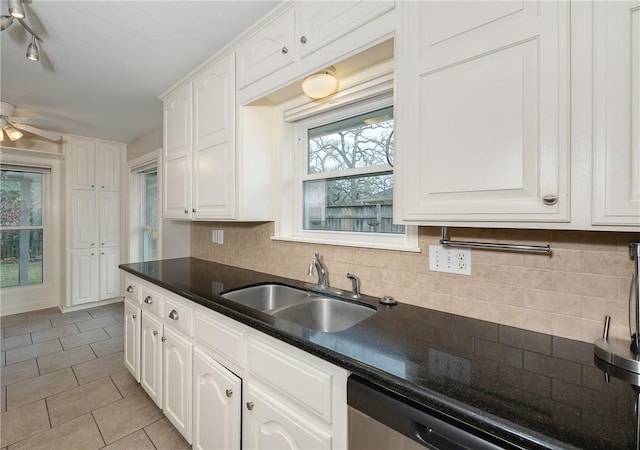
(566, 294)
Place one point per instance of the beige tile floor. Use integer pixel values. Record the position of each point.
(64, 385)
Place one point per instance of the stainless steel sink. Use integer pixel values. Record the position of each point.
(325, 314)
(267, 297)
(302, 308)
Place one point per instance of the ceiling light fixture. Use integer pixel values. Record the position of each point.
(13, 133)
(16, 11)
(321, 84)
(32, 50)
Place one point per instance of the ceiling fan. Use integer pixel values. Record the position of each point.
(14, 126)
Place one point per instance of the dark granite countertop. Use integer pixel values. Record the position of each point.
(530, 389)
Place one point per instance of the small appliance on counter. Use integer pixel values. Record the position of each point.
(621, 353)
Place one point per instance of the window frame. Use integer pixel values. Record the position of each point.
(290, 224)
(146, 163)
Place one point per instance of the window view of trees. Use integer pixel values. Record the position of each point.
(352, 202)
(21, 249)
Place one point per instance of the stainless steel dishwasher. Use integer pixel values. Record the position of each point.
(379, 419)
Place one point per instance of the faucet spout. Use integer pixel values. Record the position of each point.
(321, 269)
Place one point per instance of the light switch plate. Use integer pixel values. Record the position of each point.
(450, 259)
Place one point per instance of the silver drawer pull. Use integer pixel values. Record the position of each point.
(550, 199)
(129, 289)
(155, 332)
(148, 300)
(173, 314)
(229, 392)
(250, 406)
(285, 50)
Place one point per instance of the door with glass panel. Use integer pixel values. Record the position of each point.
(22, 254)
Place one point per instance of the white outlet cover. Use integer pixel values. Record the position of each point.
(450, 259)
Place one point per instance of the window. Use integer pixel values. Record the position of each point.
(149, 225)
(144, 207)
(22, 193)
(342, 188)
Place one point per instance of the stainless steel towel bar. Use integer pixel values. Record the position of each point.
(546, 249)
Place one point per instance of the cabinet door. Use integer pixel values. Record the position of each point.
(151, 357)
(319, 23)
(84, 226)
(483, 115)
(108, 163)
(217, 403)
(176, 403)
(214, 143)
(132, 338)
(177, 124)
(109, 273)
(177, 188)
(109, 219)
(269, 49)
(617, 113)
(84, 276)
(269, 424)
(82, 163)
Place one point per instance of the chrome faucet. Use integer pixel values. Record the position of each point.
(321, 269)
(355, 285)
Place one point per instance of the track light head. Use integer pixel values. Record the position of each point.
(32, 50)
(5, 22)
(15, 9)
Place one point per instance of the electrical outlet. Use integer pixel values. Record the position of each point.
(217, 236)
(450, 260)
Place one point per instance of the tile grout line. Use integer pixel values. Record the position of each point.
(104, 441)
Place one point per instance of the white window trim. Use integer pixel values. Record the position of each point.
(30, 297)
(135, 201)
(293, 162)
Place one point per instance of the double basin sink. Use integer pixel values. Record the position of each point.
(304, 308)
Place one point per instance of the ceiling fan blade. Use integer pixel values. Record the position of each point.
(45, 134)
(29, 120)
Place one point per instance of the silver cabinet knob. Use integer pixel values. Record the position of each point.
(550, 199)
(303, 39)
(193, 210)
(129, 289)
(148, 300)
(285, 50)
(92, 254)
(173, 314)
(229, 392)
(93, 243)
(250, 406)
(186, 211)
(93, 186)
(163, 338)
(102, 187)
(155, 332)
(134, 316)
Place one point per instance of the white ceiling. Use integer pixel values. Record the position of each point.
(103, 64)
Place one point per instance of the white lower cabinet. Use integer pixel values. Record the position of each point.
(176, 402)
(132, 338)
(224, 385)
(269, 423)
(217, 404)
(151, 333)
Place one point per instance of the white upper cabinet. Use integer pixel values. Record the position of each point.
(108, 164)
(483, 112)
(82, 167)
(616, 64)
(270, 49)
(319, 23)
(177, 136)
(214, 141)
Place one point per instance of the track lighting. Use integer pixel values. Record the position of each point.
(32, 50)
(16, 11)
(5, 22)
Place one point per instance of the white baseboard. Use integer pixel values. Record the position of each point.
(91, 304)
(7, 310)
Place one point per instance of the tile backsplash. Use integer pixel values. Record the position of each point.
(567, 294)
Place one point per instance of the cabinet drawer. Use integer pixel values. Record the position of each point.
(132, 290)
(218, 336)
(151, 301)
(178, 315)
(291, 375)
